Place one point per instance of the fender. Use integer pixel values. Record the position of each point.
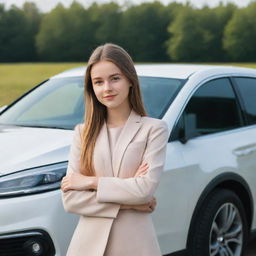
(230, 181)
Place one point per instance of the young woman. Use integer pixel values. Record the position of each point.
(115, 162)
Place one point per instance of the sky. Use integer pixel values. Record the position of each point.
(47, 5)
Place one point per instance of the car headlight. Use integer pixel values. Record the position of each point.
(31, 181)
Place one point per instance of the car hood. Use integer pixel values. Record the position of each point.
(27, 147)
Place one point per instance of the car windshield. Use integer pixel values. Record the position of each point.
(59, 102)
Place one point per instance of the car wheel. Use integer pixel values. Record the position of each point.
(220, 227)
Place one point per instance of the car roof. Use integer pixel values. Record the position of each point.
(179, 71)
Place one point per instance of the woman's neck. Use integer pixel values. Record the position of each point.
(117, 117)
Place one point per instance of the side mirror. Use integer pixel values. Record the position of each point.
(3, 108)
(188, 130)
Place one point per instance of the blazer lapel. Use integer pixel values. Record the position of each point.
(102, 153)
(128, 132)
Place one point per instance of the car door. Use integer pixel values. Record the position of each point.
(208, 133)
(246, 155)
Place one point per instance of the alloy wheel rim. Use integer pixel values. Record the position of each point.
(226, 235)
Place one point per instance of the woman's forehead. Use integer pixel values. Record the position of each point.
(104, 68)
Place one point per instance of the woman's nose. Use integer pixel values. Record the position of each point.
(107, 86)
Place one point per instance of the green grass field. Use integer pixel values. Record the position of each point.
(16, 79)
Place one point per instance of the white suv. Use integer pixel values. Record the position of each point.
(207, 195)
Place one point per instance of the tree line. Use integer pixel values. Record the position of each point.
(150, 32)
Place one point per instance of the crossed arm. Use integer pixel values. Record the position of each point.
(77, 182)
(111, 193)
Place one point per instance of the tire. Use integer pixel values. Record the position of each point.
(220, 228)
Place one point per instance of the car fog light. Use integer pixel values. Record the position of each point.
(34, 247)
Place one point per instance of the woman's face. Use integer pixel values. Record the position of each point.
(108, 80)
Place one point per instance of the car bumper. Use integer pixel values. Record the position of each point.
(35, 213)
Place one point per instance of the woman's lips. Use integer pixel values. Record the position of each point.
(109, 97)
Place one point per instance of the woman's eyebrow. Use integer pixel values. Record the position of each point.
(96, 78)
(115, 74)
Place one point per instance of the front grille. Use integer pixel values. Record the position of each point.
(27, 243)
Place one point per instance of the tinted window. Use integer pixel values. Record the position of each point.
(247, 89)
(212, 108)
(158, 93)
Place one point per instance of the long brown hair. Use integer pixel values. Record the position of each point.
(95, 112)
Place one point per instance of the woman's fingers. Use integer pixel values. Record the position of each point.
(65, 188)
(140, 173)
(148, 207)
(153, 204)
(142, 208)
(143, 164)
(65, 184)
(143, 168)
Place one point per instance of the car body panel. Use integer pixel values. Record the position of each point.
(26, 147)
(41, 211)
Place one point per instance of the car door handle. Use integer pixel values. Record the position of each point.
(243, 151)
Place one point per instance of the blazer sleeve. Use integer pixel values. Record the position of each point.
(84, 202)
(138, 190)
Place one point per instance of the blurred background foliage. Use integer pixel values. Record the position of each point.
(150, 32)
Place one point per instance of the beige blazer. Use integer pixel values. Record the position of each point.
(104, 229)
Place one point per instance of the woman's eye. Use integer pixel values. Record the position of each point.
(115, 78)
(97, 82)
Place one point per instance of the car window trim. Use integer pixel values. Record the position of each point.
(240, 98)
(240, 105)
(230, 131)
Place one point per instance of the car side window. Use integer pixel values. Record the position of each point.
(247, 89)
(158, 93)
(213, 108)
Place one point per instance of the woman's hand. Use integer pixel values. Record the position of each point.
(142, 170)
(149, 207)
(77, 181)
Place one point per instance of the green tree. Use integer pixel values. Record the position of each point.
(16, 38)
(173, 9)
(66, 34)
(196, 34)
(240, 34)
(105, 22)
(223, 14)
(185, 36)
(33, 20)
(143, 31)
